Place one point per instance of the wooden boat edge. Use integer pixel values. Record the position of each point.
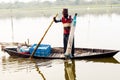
(110, 53)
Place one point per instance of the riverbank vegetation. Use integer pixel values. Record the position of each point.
(37, 8)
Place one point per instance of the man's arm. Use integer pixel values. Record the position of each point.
(56, 20)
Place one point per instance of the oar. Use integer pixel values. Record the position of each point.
(42, 38)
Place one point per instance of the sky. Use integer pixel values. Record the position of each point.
(24, 0)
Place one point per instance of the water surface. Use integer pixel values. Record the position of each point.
(26, 69)
(92, 31)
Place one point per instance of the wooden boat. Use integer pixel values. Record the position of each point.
(57, 53)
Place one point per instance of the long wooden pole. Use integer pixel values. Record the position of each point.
(42, 38)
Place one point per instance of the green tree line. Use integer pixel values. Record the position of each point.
(36, 8)
(37, 4)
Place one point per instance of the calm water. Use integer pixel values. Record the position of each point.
(25, 69)
(94, 31)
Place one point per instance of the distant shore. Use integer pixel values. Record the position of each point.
(50, 11)
(11, 43)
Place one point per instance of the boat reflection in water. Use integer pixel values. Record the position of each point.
(69, 70)
(17, 65)
(69, 66)
(103, 60)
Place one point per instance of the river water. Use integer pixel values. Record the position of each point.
(92, 31)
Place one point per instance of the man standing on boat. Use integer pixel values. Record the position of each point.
(66, 20)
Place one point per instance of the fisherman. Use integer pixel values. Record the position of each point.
(66, 21)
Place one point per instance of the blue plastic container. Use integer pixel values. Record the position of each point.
(43, 50)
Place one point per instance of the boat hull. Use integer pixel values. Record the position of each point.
(57, 53)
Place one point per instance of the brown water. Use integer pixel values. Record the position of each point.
(92, 31)
(38, 69)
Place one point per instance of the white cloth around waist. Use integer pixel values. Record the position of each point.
(66, 24)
